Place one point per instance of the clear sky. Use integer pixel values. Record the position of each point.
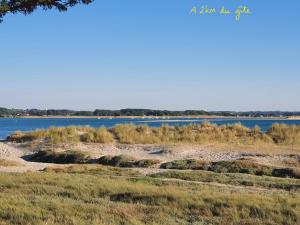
(116, 54)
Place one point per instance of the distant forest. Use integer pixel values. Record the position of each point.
(4, 112)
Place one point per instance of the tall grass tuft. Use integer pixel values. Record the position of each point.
(100, 135)
(131, 134)
(285, 134)
(71, 134)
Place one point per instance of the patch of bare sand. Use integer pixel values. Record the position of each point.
(12, 154)
(164, 153)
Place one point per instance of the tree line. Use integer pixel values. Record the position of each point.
(5, 112)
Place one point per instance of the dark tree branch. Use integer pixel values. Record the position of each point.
(28, 6)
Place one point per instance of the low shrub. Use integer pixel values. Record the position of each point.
(126, 161)
(235, 166)
(240, 166)
(145, 163)
(187, 164)
(286, 172)
(66, 157)
(119, 161)
(93, 169)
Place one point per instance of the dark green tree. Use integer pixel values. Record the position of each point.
(28, 6)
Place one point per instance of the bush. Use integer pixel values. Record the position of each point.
(50, 156)
(126, 161)
(93, 169)
(188, 164)
(119, 161)
(286, 172)
(236, 166)
(106, 160)
(241, 166)
(145, 163)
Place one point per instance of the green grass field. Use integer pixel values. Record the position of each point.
(95, 194)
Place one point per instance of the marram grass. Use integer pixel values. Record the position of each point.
(278, 134)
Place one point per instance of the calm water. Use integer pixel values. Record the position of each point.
(10, 125)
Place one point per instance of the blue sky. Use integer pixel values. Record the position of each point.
(114, 54)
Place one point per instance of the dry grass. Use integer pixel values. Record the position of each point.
(232, 179)
(285, 134)
(206, 133)
(57, 135)
(100, 135)
(85, 198)
(131, 134)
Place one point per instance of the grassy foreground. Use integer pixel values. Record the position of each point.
(239, 192)
(87, 194)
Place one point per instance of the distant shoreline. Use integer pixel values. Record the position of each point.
(156, 117)
(145, 113)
